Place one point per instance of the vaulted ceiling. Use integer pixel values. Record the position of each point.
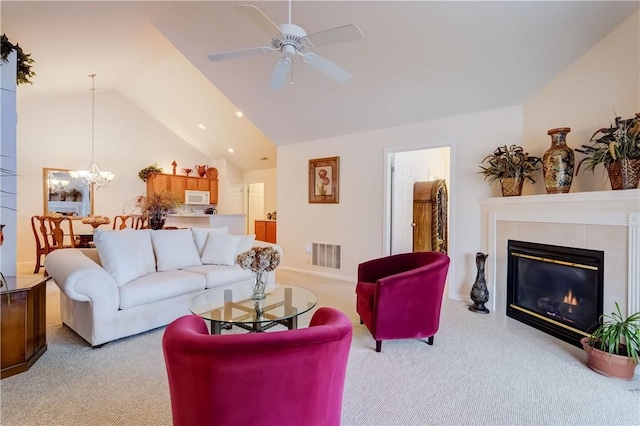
(419, 60)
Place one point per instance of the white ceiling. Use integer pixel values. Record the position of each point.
(419, 60)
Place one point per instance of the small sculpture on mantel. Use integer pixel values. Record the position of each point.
(174, 164)
(479, 292)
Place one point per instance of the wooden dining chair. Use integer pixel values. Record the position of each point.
(141, 222)
(123, 219)
(62, 227)
(43, 239)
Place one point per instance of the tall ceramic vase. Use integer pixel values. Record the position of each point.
(558, 162)
(479, 292)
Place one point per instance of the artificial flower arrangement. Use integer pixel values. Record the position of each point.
(96, 221)
(259, 259)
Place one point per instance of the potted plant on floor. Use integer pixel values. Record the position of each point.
(618, 149)
(511, 166)
(614, 347)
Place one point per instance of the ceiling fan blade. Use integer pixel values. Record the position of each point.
(327, 67)
(341, 34)
(260, 19)
(240, 53)
(279, 76)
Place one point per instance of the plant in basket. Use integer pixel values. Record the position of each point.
(618, 149)
(510, 166)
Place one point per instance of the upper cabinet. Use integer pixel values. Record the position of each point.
(177, 184)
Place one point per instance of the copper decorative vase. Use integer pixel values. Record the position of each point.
(558, 162)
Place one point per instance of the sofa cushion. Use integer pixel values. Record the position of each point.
(246, 243)
(159, 286)
(125, 254)
(221, 249)
(200, 236)
(174, 249)
(217, 275)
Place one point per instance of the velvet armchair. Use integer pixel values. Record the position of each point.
(293, 377)
(400, 296)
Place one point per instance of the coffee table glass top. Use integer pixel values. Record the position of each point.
(233, 305)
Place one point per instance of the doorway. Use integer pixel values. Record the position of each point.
(404, 168)
(255, 204)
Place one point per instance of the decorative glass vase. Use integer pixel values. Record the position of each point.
(259, 284)
(558, 162)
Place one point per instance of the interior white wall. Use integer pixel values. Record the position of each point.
(57, 133)
(427, 164)
(357, 222)
(601, 84)
(227, 173)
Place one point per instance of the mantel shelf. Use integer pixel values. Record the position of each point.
(575, 197)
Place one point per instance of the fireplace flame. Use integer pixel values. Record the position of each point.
(569, 299)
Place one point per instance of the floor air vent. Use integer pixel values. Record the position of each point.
(325, 255)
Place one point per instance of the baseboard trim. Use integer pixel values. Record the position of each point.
(320, 274)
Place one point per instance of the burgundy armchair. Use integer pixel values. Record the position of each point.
(400, 296)
(293, 377)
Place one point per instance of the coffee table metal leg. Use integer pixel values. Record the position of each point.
(216, 327)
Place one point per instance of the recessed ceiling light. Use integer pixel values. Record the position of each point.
(239, 114)
(201, 126)
(230, 150)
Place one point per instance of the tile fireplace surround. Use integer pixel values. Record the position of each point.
(602, 220)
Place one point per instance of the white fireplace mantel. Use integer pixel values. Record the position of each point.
(609, 208)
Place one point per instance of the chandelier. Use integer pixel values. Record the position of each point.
(56, 185)
(92, 177)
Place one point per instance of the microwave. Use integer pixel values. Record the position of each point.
(196, 197)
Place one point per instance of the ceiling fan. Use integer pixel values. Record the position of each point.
(291, 40)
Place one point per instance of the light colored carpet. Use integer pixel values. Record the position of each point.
(476, 373)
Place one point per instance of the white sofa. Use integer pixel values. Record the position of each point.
(138, 280)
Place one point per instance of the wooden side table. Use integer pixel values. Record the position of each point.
(23, 323)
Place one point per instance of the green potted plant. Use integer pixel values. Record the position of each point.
(155, 207)
(144, 173)
(511, 166)
(618, 149)
(613, 349)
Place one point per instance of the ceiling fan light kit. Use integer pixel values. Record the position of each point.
(292, 40)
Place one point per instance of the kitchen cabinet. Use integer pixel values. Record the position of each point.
(177, 184)
(266, 230)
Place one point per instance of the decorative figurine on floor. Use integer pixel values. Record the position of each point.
(479, 292)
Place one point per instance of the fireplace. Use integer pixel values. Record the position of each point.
(558, 290)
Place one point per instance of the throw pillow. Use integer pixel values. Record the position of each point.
(174, 249)
(220, 249)
(246, 243)
(125, 254)
(200, 236)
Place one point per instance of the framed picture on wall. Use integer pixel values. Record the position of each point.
(324, 180)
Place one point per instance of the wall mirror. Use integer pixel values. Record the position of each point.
(61, 194)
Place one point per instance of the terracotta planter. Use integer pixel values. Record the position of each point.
(618, 366)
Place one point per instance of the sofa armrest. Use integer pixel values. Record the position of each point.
(82, 279)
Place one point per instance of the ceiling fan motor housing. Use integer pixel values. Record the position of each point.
(292, 35)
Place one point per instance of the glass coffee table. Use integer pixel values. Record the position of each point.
(225, 307)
